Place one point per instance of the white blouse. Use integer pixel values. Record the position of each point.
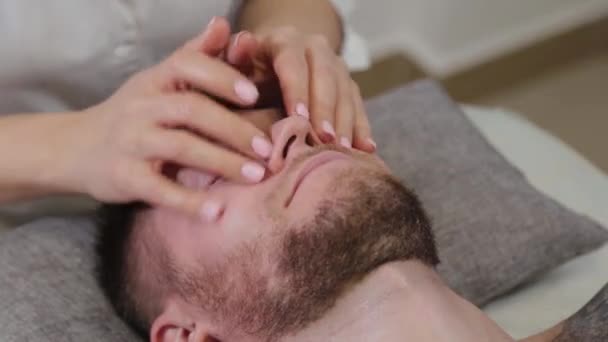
(71, 54)
(60, 55)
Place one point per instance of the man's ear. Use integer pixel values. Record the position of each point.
(175, 324)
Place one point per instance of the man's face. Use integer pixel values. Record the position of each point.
(284, 249)
(307, 177)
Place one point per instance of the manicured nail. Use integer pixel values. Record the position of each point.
(261, 146)
(237, 37)
(329, 129)
(372, 142)
(302, 110)
(344, 141)
(246, 91)
(211, 211)
(211, 22)
(253, 172)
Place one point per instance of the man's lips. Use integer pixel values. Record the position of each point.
(312, 164)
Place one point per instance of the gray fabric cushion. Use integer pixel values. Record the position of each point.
(493, 229)
(47, 288)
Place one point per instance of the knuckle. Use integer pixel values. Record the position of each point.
(175, 148)
(120, 173)
(284, 34)
(318, 41)
(180, 108)
(325, 69)
(135, 107)
(289, 78)
(173, 64)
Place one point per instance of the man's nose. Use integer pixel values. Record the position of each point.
(289, 139)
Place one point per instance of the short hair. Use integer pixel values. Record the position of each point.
(117, 259)
(399, 217)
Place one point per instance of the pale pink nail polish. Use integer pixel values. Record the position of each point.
(328, 128)
(211, 22)
(372, 142)
(261, 146)
(246, 91)
(253, 172)
(344, 141)
(211, 211)
(302, 110)
(237, 37)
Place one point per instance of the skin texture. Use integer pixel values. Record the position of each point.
(113, 151)
(296, 51)
(396, 301)
(140, 128)
(374, 307)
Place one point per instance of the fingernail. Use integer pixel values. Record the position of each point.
(253, 172)
(261, 146)
(302, 110)
(211, 211)
(211, 22)
(344, 141)
(237, 37)
(246, 91)
(372, 142)
(328, 128)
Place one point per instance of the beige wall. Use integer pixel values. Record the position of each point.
(446, 36)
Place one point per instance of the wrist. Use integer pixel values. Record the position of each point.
(59, 171)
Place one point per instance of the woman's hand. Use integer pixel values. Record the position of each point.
(313, 81)
(124, 142)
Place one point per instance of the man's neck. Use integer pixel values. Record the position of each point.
(402, 301)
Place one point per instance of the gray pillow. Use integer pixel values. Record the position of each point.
(47, 288)
(494, 230)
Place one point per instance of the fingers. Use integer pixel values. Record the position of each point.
(211, 76)
(290, 64)
(206, 117)
(213, 40)
(187, 149)
(345, 110)
(292, 72)
(241, 52)
(324, 92)
(362, 136)
(157, 190)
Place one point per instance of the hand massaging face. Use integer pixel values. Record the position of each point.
(282, 252)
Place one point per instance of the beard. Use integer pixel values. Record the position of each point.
(279, 284)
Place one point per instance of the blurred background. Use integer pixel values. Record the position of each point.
(545, 59)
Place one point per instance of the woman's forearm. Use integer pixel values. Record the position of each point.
(33, 154)
(310, 16)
